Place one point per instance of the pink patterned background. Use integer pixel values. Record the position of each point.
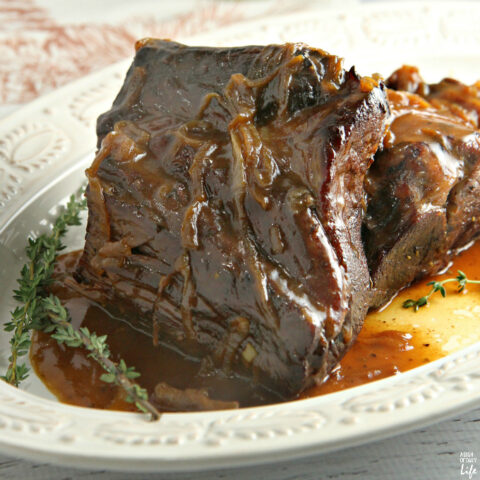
(45, 43)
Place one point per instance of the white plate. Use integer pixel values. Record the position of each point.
(44, 149)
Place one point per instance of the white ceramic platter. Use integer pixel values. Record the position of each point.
(44, 149)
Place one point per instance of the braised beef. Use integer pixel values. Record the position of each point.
(226, 202)
(423, 202)
(448, 95)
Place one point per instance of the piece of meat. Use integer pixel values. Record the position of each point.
(449, 95)
(170, 399)
(423, 205)
(226, 202)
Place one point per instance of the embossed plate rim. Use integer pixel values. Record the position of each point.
(39, 428)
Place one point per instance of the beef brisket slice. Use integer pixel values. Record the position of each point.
(422, 205)
(225, 206)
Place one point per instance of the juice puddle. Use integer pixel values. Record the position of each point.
(392, 341)
(395, 339)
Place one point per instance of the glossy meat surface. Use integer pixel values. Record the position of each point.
(225, 207)
(423, 203)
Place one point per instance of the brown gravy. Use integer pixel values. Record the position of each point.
(380, 351)
(377, 354)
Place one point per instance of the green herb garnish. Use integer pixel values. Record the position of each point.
(461, 279)
(37, 311)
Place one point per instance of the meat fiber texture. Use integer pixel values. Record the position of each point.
(423, 202)
(225, 207)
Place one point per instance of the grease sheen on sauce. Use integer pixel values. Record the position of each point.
(385, 347)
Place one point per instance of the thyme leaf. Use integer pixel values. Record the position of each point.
(461, 280)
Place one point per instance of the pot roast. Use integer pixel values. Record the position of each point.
(235, 214)
(423, 202)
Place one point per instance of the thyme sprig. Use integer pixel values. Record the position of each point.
(37, 311)
(35, 276)
(97, 346)
(461, 280)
